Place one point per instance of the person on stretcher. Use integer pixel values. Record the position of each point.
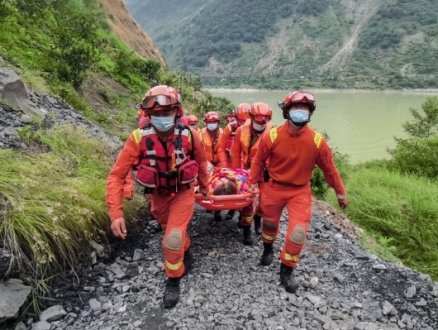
(225, 181)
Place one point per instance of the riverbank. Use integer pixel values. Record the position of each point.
(432, 91)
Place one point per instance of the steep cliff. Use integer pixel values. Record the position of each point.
(129, 31)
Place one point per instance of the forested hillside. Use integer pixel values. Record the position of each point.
(279, 43)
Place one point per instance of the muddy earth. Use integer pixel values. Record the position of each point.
(341, 285)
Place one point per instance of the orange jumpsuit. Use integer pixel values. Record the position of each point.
(211, 144)
(173, 213)
(292, 158)
(244, 149)
(223, 153)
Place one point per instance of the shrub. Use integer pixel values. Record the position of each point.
(417, 156)
(76, 48)
(318, 183)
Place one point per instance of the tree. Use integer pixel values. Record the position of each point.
(424, 127)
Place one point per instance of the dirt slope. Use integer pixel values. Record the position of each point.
(129, 31)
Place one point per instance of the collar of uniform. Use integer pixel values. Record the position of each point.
(300, 132)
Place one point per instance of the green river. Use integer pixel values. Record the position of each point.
(360, 123)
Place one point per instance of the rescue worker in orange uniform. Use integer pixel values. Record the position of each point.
(211, 136)
(241, 114)
(293, 150)
(245, 147)
(193, 123)
(170, 157)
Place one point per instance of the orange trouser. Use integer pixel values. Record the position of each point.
(246, 215)
(174, 215)
(298, 201)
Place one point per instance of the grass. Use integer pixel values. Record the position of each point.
(400, 212)
(56, 199)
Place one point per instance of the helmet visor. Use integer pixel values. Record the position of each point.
(162, 100)
(261, 118)
(302, 97)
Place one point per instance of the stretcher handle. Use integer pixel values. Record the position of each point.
(228, 197)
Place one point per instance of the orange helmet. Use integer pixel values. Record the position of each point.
(212, 117)
(242, 111)
(295, 97)
(162, 96)
(193, 120)
(261, 112)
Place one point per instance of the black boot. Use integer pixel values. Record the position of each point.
(230, 214)
(217, 216)
(287, 278)
(171, 293)
(188, 261)
(257, 224)
(239, 223)
(247, 237)
(268, 254)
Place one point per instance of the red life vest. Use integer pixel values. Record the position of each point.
(164, 167)
(232, 127)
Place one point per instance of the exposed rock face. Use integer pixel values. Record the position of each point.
(13, 294)
(129, 31)
(20, 105)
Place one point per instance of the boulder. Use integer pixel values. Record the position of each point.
(14, 92)
(13, 294)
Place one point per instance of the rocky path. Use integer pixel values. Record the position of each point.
(342, 286)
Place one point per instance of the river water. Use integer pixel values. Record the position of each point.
(362, 124)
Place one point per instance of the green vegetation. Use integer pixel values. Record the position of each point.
(290, 44)
(66, 47)
(55, 198)
(395, 200)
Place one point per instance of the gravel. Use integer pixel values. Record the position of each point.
(228, 288)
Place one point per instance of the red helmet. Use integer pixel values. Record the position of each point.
(304, 97)
(212, 117)
(261, 112)
(162, 96)
(231, 117)
(242, 111)
(193, 120)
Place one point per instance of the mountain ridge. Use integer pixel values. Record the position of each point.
(273, 44)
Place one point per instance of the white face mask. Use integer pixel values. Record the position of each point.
(212, 126)
(193, 126)
(258, 127)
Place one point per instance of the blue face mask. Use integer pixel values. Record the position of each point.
(212, 127)
(163, 124)
(299, 118)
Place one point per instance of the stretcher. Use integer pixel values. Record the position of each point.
(225, 202)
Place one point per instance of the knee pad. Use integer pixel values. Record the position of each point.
(269, 225)
(298, 235)
(174, 240)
